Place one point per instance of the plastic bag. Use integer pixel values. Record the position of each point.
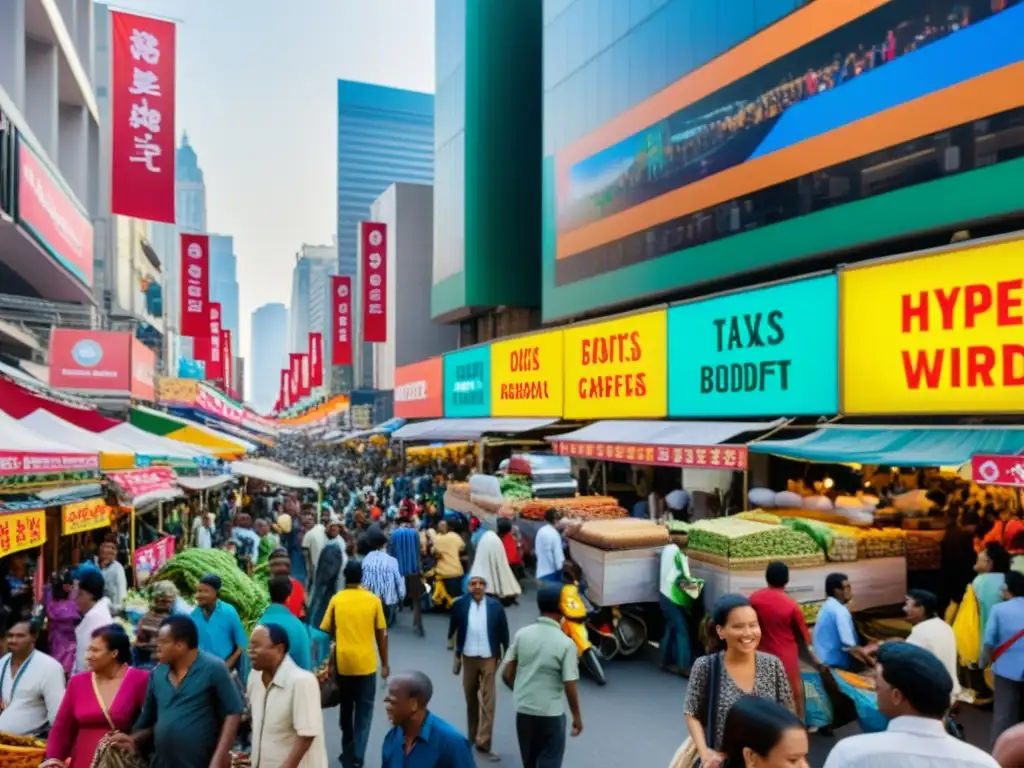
(967, 629)
(865, 701)
(817, 707)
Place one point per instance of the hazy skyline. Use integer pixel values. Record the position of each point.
(257, 94)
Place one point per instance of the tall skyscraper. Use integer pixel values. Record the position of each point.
(385, 135)
(224, 280)
(310, 310)
(267, 354)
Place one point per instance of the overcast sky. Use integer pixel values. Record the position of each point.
(257, 95)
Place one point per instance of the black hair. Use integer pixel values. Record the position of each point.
(833, 582)
(918, 674)
(417, 685)
(777, 574)
(374, 539)
(92, 583)
(1015, 583)
(549, 598)
(182, 629)
(719, 617)
(926, 600)
(353, 572)
(116, 640)
(279, 554)
(999, 556)
(280, 588)
(970, 517)
(33, 626)
(505, 526)
(551, 514)
(757, 724)
(278, 636)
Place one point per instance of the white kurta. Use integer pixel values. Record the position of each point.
(284, 711)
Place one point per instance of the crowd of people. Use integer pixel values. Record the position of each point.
(196, 688)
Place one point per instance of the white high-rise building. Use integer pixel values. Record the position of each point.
(310, 305)
(268, 354)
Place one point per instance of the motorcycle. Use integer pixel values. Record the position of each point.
(574, 617)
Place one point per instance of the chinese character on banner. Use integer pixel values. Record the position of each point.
(195, 286)
(304, 386)
(286, 390)
(142, 117)
(316, 360)
(215, 363)
(373, 237)
(294, 375)
(341, 320)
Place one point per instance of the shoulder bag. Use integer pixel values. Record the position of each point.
(686, 756)
(108, 754)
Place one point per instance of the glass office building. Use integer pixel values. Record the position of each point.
(687, 142)
(224, 282)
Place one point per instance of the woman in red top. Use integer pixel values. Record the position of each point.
(783, 629)
(508, 539)
(281, 565)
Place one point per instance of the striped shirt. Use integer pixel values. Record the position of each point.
(382, 577)
(405, 548)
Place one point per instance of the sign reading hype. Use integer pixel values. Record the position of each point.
(769, 351)
(467, 383)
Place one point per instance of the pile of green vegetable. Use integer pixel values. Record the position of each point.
(516, 487)
(733, 538)
(247, 595)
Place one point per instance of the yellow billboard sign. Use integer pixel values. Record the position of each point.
(617, 369)
(527, 376)
(935, 334)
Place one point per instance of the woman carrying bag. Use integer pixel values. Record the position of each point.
(717, 681)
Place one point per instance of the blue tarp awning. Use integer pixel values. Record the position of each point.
(896, 446)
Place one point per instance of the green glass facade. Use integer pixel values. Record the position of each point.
(487, 138)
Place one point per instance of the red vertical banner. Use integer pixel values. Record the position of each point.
(215, 364)
(142, 117)
(195, 286)
(285, 396)
(316, 359)
(229, 362)
(374, 239)
(304, 381)
(341, 320)
(294, 375)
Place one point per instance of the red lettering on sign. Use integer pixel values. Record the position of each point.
(974, 366)
(615, 348)
(977, 299)
(527, 359)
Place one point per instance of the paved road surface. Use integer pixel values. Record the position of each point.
(635, 721)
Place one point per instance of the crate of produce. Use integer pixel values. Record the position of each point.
(757, 564)
(627, 533)
(924, 550)
(579, 507)
(838, 546)
(730, 537)
(881, 542)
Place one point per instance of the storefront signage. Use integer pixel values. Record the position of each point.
(151, 558)
(418, 390)
(181, 391)
(617, 369)
(528, 375)
(214, 402)
(195, 286)
(142, 481)
(143, 371)
(84, 516)
(14, 463)
(467, 383)
(771, 351)
(935, 334)
(97, 361)
(998, 470)
(732, 457)
(22, 530)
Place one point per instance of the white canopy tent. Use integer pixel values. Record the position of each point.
(16, 437)
(149, 444)
(272, 475)
(52, 426)
(198, 484)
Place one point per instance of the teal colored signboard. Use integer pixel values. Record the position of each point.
(467, 383)
(767, 352)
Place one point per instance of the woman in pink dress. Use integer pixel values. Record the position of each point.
(83, 720)
(62, 616)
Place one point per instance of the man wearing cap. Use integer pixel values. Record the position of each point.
(220, 630)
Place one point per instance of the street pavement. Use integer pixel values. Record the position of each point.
(636, 720)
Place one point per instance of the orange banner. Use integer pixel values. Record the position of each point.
(84, 516)
(22, 530)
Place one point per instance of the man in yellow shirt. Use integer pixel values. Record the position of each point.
(355, 618)
(448, 548)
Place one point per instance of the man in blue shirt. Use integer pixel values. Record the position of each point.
(220, 630)
(1003, 645)
(299, 642)
(404, 546)
(420, 739)
(835, 636)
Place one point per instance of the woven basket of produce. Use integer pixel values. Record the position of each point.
(620, 534)
(885, 542)
(21, 751)
(924, 550)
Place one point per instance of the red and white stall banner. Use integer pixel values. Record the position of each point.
(195, 286)
(294, 375)
(316, 360)
(215, 362)
(229, 362)
(993, 469)
(285, 395)
(142, 117)
(151, 558)
(374, 239)
(341, 320)
(304, 381)
(732, 457)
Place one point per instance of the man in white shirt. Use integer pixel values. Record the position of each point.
(547, 546)
(95, 608)
(913, 690)
(313, 542)
(31, 683)
(115, 583)
(931, 632)
(287, 723)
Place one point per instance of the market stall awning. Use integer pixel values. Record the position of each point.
(388, 428)
(113, 455)
(183, 431)
(897, 446)
(24, 452)
(154, 446)
(198, 484)
(18, 401)
(687, 444)
(438, 430)
(272, 475)
(191, 423)
(141, 487)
